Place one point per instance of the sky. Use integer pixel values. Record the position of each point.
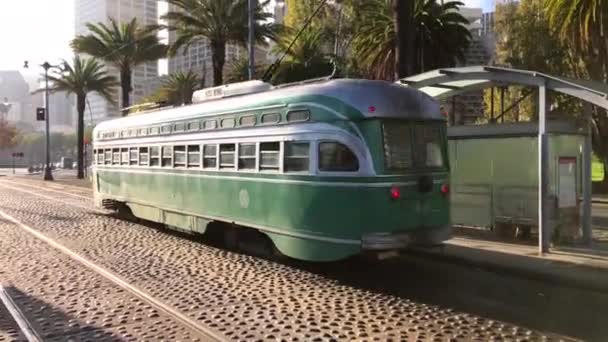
(40, 30)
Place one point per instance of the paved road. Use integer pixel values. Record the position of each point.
(240, 297)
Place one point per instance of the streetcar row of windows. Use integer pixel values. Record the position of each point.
(209, 124)
(332, 156)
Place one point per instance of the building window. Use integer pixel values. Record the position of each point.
(269, 155)
(209, 124)
(227, 156)
(194, 156)
(271, 118)
(297, 156)
(334, 156)
(298, 115)
(247, 156)
(227, 123)
(210, 156)
(154, 156)
(133, 156)
(167, 156)
(124, 156)
(248, 120)
(143, 156)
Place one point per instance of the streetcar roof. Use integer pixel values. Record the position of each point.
(373, 99)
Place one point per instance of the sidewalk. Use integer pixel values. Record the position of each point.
(576, 267)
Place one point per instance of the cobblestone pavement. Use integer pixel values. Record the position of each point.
(9, 330)
(238, 296)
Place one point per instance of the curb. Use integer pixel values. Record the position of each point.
(563, 273)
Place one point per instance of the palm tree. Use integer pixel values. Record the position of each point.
(81, 78)
(239, 70)
(305, 59)
(179, 87)
(441, 36)
(220, 23)
(122, 45)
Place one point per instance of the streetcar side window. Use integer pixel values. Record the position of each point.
(227, 156)
(193, 126)
(248, 120)
(108, 157)
(227, 123)
(271, 118)
(269, 155)
(210, 156)
(298, 115)
(154, 156)
(143, 132)
(143, 156)
(247, 156)
(209, 124)
(116, 156)
(124, 156)
(179, 156)
(167, 156)
(297, 155)
(334, 156)
(178, 127)
(134, 156)
(194, 156)
(100, 157)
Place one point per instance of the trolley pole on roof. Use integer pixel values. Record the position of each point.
(543, 172)
(252, 5)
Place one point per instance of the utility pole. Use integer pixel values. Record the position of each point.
(405, 30)
(252, 6)
(48, 175)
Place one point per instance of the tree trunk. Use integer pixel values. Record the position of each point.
(126, 87)
(405, 34)
(218, 57)
(80, 106)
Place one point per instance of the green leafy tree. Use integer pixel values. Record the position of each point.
(526, 40)
(122, 45)
(218, 22)
(582, 26)
(179, 87)
(441, 36)
(239, 70)
(306, 59)
(8, 134)
(84, 76)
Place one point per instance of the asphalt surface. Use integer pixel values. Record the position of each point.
(241, 297)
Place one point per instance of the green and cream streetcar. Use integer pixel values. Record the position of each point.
(326, 169)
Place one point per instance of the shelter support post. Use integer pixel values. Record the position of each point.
(587, 181)
(543, 172)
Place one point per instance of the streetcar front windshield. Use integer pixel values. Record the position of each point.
(410, 146)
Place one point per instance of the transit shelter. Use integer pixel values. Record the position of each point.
(494, 177)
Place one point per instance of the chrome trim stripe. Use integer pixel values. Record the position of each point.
(269, 180)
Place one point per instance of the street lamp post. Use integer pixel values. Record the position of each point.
(48, 175)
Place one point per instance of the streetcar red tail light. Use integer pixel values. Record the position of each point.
(445, 189)
(395, 193)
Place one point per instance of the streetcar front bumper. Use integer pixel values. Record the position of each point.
(401, 240)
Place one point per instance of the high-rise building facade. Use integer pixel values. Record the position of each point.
(197, 57)
(95, 11)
